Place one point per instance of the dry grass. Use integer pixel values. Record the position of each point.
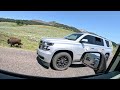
(29, 34)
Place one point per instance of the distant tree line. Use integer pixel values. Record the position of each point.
(31, 22)
(26, 22)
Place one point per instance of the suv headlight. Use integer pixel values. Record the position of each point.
(46, 45)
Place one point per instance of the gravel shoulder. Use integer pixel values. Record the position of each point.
(25, 62)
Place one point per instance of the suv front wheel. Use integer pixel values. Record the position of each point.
(61, 61)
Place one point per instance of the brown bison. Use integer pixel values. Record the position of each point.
(12, 41)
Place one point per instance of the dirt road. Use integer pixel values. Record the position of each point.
(25, 62)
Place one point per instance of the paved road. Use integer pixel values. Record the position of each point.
(25, 62)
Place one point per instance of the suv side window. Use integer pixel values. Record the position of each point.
(99, 41)
(90, 39)
(107, 43)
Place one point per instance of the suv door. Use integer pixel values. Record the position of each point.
(100, 45)
(89, 46)
(93, 44)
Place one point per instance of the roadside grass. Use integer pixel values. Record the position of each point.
(30, 35)
(115, 49)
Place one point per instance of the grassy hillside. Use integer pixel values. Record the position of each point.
(29, 34)
(40, 22)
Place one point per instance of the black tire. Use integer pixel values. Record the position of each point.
(106, 57)
(61, 61)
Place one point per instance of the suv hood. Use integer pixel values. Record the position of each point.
(57, 40)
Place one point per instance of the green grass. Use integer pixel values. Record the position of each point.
(115, 49)
(29, 34)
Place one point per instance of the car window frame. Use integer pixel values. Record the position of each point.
(114, 64)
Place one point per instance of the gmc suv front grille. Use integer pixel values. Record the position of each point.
(41, 45)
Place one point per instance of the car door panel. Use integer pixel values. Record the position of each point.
(93, 44)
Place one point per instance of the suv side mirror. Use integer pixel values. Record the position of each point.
(84, 41)
(94, 60)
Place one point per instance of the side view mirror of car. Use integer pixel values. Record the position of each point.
(94, 60)
(84, 41)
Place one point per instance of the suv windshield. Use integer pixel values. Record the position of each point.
(73, 36)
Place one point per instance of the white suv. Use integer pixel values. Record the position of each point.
(61, 53)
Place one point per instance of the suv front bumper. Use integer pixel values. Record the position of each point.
(45, 57)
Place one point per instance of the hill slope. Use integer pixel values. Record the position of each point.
(29, 34)
(40, 22)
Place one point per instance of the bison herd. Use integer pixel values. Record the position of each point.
(14, 41)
